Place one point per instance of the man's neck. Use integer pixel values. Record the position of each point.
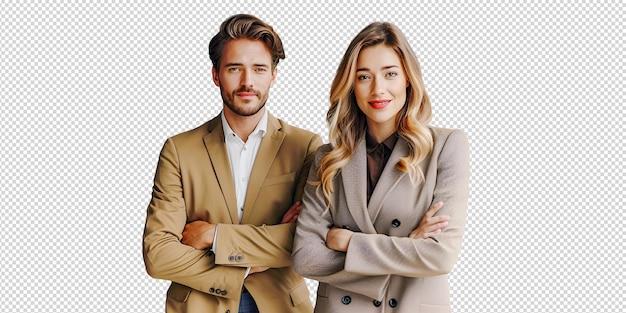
(243, 126)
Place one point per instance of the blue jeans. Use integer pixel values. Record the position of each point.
(247, 304)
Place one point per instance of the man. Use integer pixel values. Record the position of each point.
(220, 224)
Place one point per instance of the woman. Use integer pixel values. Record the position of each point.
(368, 230)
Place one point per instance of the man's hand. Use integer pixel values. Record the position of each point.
(430, 224)
(292, 214)
(199, 234)
(338, 239)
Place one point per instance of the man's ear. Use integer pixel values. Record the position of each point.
(274, 73)
(216, 77)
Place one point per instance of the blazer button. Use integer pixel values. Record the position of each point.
(395, 223)
(211, 290)
(218, 291)
(227, 311)
(231, 258)
(239, 257)
(346, 300)
(224, 292)
(393, 303)
(377, 303)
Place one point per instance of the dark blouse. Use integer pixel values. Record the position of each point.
(377, 157)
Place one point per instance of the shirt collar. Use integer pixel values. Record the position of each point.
(371, 143)
(260, 130)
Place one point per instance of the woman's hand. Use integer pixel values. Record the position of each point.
(430, 224)
(338, 239)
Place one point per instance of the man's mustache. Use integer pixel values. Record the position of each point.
(258, 94)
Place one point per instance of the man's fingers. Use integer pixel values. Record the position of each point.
(296, 206)
(292, 214)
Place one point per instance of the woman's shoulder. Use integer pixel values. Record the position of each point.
(324, 148)
(443, 136)
(444, 131)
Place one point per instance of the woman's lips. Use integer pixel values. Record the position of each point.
(379, 104)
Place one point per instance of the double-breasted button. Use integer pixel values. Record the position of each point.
(346, 300)
(393, 303)
(395, 223)
(239, 257)
(231, 258)
(218, 291)
(227, 311)
(211, 290)
(224, 292)
(377, 303)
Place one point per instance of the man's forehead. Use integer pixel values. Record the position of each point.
(246, 52)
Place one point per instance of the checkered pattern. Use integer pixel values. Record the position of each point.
(90, 92)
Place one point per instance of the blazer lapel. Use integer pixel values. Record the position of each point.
(389, 178)
(216, 148)
(270, 144)
(354, 178)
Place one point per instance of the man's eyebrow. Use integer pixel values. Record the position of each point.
(241, 64)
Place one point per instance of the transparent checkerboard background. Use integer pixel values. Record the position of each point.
(90, 92)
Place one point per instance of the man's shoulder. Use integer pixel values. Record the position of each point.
(193, 139)
(291, 130)
(197, 132)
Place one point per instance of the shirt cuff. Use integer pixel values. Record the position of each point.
(247, 273)
(215, 241)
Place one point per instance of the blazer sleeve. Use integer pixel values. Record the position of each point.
(313, 259)
(248, 245)
(422, 257)
(165, 257)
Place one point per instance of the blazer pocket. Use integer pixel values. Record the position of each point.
(178, 292)
(434, 308)
(282, 179)
(299, 294)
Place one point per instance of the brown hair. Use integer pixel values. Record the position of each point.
(249, 27)
(347, 124)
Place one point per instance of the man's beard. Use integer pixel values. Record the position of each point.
(229, 101)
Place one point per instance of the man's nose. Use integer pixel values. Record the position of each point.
(246, 78)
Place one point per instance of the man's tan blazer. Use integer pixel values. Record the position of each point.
(384, 270)
(193, 182)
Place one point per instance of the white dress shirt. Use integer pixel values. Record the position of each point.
(241, 156)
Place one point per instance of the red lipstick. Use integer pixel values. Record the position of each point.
(379, 103)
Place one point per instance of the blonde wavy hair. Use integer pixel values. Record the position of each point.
(347, 124)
